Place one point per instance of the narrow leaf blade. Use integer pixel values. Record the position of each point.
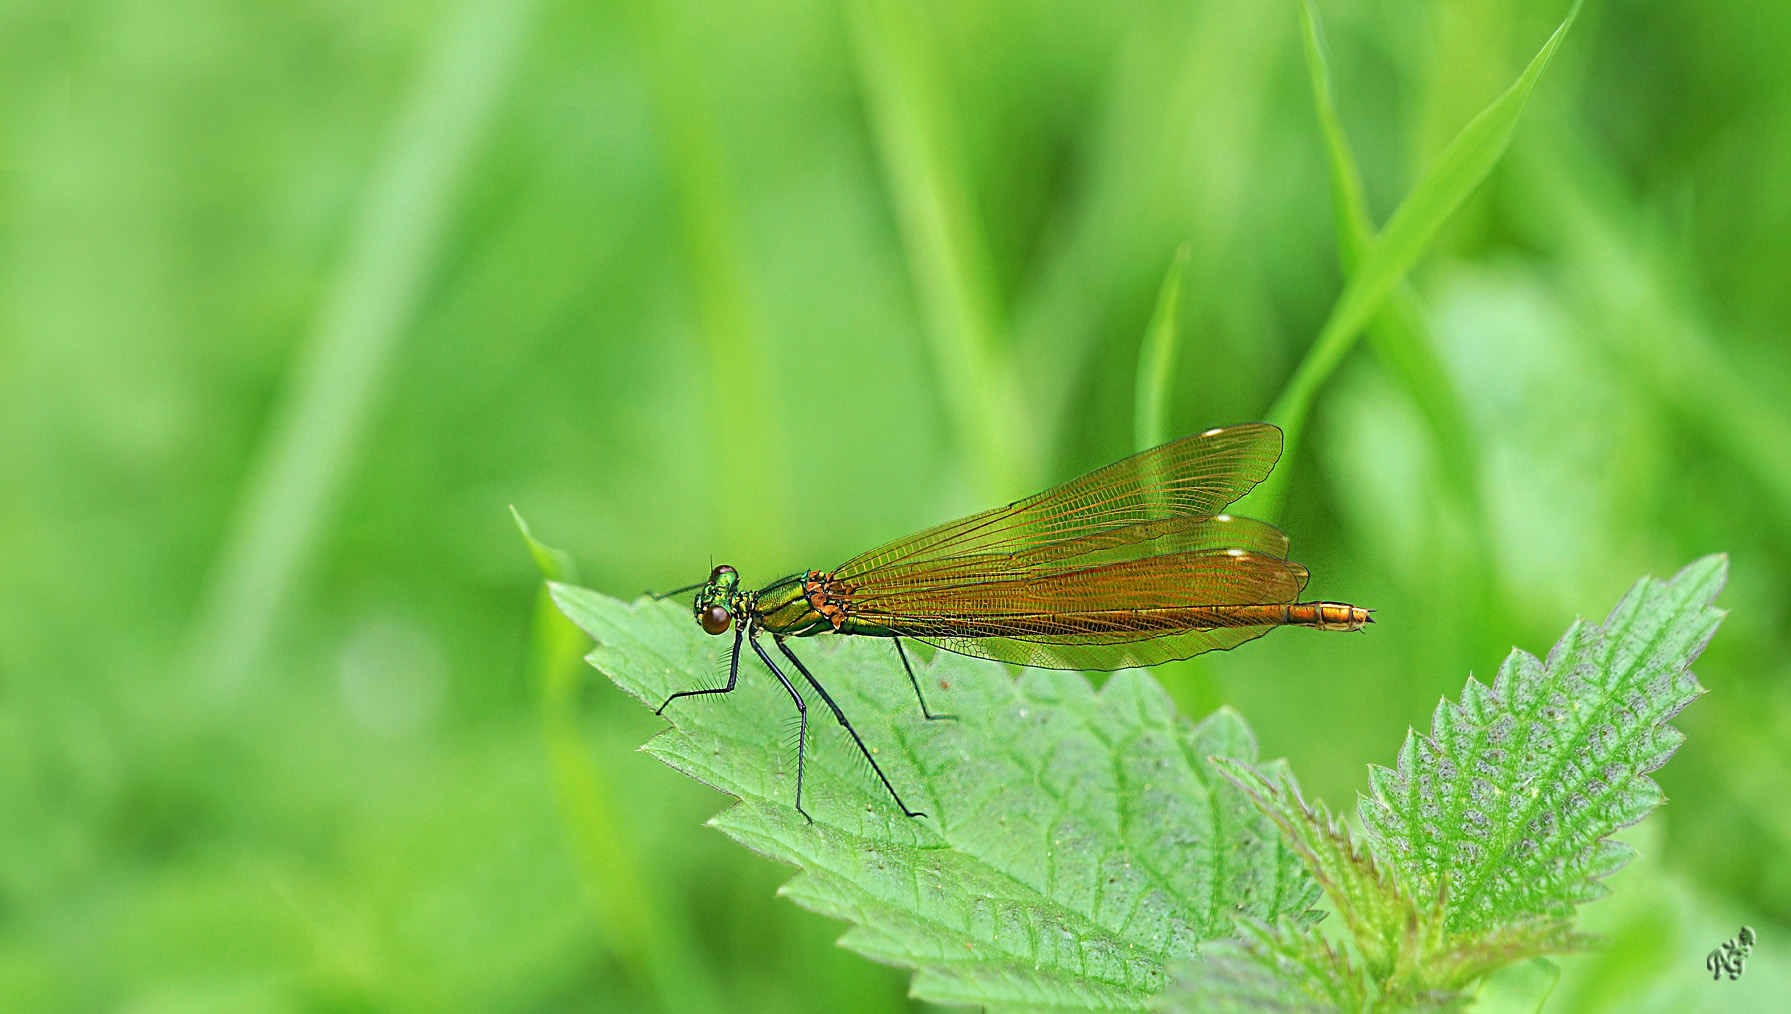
(1467, 160)
(1157, 357)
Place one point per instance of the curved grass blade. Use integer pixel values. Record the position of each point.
(1396, 332)
(1156, 359)
(651, 939)
(919, 144)
(1467, 160)
(1398, 335)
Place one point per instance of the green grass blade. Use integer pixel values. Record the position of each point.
(1349, 199)
(339, 372)
(1189, 681)
(648, 935)
(1396, 333)
(554, 564)
(1399, 338)
(1157, 358)
(1467, 160)
(730, 334)
(920, 145)
(1186, 95)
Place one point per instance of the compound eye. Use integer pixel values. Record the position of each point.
(716, 574)
(715, 620)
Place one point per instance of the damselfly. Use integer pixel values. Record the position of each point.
(1129, 565)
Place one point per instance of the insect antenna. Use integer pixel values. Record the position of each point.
(657, 596)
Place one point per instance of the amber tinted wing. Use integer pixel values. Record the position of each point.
(1192, 477)
(959, 583)
(1109, 600)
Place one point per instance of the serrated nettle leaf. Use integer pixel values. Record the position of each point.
(1282, 968)
(1462, 959)
(1507, 804)
(1077, 841)
(1489, 831)
(1279, 968)
(1375, 909)
(1401, 938)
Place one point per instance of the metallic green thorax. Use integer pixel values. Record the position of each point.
(782, 608)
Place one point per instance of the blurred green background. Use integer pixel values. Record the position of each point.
(299, 296)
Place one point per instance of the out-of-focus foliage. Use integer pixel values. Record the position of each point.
(297, 297)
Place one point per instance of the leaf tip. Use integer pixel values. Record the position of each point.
(554, 564)
(1225, 732)
(1705, 576)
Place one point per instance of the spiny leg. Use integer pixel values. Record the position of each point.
(916, 684)
(733, 674)
(841, 715)
(801, 713)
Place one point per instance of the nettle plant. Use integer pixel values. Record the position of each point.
(1092, 850)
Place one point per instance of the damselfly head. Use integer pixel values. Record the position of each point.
(711, 604)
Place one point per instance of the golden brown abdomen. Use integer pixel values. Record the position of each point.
(1146, 622)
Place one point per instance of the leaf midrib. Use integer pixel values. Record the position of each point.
(1470, 895)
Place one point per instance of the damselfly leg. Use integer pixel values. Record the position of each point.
(841, 715)
(733, 676)
(801, 713)
(916, 685)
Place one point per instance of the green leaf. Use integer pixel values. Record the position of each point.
(1491, 830)
(1078, 841)
(1467, 160)
(1506, 806)
(1375, 909)
(1397, 332)
(1400, 936)
(1270, 969)
(554, 564)
(907, 95)
(1283, 967)
(1156, 359)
